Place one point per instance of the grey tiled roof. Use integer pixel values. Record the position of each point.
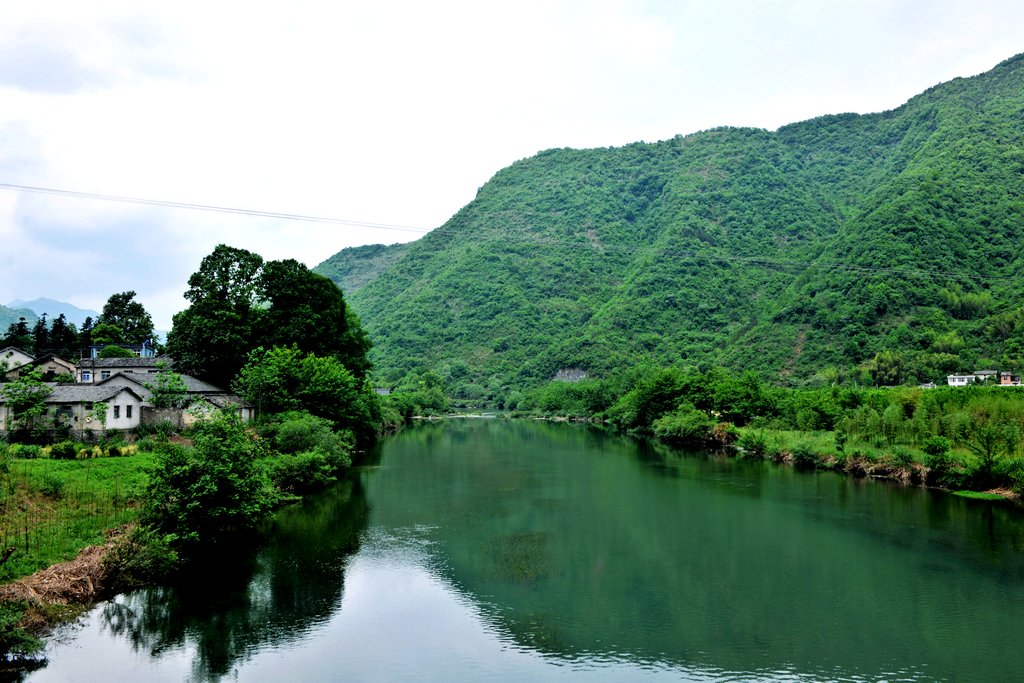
(85, 393)
(96, 363)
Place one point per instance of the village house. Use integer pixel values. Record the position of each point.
(95, 370)
(1003, 379)
(50, 366)
(75, 407)
(12, 357)
(204, 399)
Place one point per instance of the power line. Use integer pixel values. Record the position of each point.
(207, 207)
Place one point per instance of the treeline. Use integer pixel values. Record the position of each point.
(965, 437)
(122, 321)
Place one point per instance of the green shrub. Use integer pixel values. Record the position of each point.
(143, 558)
(686, 425)
(805, 455)
(753, 442)
(63, 450)
(301, 472)
(53, 485)
(25, 451)
(900, 457)
(15, 641)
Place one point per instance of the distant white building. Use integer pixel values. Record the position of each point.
(960, 380)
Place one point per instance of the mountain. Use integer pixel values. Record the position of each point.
(53, 309)
(10, 316)
(880, 247)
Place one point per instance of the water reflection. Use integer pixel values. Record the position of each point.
(495, 550)
(582, 546)
(269, 599)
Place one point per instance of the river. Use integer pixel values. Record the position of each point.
(495, 550)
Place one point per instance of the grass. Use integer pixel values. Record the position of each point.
(979, 495)
(51, 509)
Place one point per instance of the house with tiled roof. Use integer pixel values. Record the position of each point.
(13, 357)
(94, 370)
(49, 366)
(84, 408)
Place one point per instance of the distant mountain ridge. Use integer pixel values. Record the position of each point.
(880, 247)
(53, 308)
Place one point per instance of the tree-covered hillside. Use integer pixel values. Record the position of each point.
(881, 248)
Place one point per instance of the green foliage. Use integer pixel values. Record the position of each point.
(208, 494)
(114, 352)
(142, 559)
(685, 425)
(168, 389)
(285, 379)
(15, 641)
(878, 249)
(26, 400)
(240, 303)
(64, 450)
(128, 317)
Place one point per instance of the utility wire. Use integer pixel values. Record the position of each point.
(476, 239)
(207, 207)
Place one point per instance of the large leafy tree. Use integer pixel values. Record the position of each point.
(213, 336)
(240, 303)
(129, 316)
(284, 379)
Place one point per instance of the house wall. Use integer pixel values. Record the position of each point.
(14, 358)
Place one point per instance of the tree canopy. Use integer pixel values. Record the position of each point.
(240, 303)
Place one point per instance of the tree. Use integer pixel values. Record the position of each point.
(107, 333)
(128, 315)
(26, 399)
(213, 336)
(19, 336)
(168, 389)
(113, 351)
(283, 379)
(41, 336)
(205, 495)
(63, 337)
(309, 310)
(240, 303)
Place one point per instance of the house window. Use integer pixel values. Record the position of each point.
(86, 376)
(117, 412)
(104, 374)
(128, 412)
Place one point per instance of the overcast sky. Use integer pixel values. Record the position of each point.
(394, 112)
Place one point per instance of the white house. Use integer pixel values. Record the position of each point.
(76, 407)
(12, 357)
(960, 380)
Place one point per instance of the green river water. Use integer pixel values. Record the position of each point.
(495, 550)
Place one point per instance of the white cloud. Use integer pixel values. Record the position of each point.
(394, 112)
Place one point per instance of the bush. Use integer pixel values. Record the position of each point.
(753, 442)
(53, 485)
(15, 641)
(142, 558)
(805, 455)
(25, 451)
(210, 493)
(64, 450)
(301, 472)
(900, 457)
(686, 425)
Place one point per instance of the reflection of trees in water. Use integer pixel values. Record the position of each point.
(235, 606)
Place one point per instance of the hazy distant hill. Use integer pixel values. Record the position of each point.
(802, 253)
(12, 315)
(53, 308)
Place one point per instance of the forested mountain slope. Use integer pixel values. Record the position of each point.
(883, 247)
